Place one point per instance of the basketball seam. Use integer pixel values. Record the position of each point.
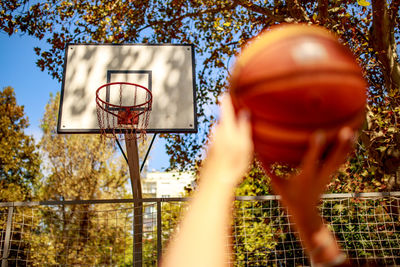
(293, 75)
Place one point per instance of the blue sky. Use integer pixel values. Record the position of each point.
(33, 87)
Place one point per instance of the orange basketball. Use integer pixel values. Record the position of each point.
(295, 79)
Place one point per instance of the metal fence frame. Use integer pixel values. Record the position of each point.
(12, 205)
(158, 201)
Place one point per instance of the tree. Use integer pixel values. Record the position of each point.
(19, 165)
(79, 167)
(219, 29)
(19, 160)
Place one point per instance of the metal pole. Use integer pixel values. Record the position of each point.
(159, 233)
(122, 151)
(6, 247)
(133, 162)
(147, 153)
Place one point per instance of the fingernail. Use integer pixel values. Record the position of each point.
(319, 137)
(244, 115)
(347, 134)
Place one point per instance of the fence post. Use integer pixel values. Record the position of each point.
(159, 232)
(6, 247)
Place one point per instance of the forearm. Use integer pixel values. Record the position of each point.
(317, 239)
(202, 239)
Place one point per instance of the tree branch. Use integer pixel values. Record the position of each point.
(394, 8)
(189, 15)
(255, 8)
(383, 41)
(297, 11)
(323, 11)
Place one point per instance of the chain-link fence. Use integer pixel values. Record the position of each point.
(101, 232)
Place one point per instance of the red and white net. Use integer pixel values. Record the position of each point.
(123, 110)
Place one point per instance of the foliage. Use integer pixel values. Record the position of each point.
(79, 167)
(219, 29)
(19, 160)
(365, 225)
(253, 236)
(255, 183)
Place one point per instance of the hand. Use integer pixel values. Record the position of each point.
(231, 150)
(302, 192)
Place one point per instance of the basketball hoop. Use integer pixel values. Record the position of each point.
(123, 115)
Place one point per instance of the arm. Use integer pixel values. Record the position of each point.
(202, 239)
(301, 193)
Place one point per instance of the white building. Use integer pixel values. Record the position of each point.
(161, 185)
(166, 184)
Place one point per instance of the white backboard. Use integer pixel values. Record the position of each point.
(166, 70)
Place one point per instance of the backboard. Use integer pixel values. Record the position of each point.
(166, 70)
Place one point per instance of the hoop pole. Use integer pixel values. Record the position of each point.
(133, 163)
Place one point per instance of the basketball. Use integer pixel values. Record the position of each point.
(296, 79)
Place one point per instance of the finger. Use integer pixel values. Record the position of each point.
(227, 110)
(345, 142)
(244, 124)
(310, 162)
(245, 131)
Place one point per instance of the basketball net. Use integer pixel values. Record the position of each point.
(123, 110)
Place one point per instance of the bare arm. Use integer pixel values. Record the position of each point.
(202, 239)
(301, 194)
